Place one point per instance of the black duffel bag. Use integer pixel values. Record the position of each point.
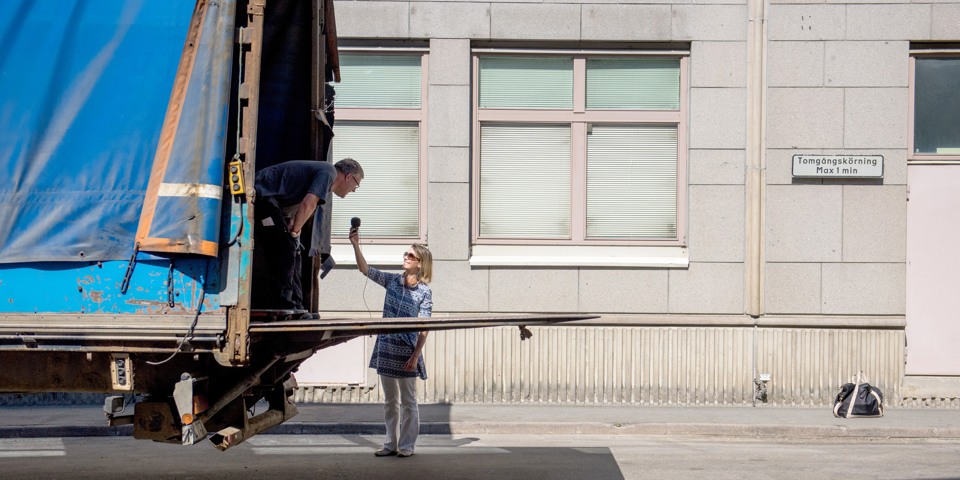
(858, 400)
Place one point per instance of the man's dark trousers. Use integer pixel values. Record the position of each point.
(276, 262)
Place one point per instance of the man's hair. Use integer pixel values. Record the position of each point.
(349, 166)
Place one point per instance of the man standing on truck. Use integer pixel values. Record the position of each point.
(287, 194)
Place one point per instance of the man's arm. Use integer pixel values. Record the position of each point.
(304, 211)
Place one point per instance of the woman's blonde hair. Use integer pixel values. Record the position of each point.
(426, 262)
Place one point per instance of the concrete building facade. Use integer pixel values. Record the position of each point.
(778, 286)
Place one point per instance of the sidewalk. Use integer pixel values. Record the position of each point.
(438, 419)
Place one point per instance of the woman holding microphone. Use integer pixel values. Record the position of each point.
(396, 356)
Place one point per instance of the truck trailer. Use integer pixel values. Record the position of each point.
(130, 135)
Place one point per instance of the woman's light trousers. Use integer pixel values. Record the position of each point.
(400, 413)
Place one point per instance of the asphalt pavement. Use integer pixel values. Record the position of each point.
(461, 419)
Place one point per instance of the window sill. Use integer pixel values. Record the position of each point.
(579, 256)
(390, 255)
(532, 256)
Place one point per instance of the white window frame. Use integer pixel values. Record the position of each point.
(927, 158)
(578, 250)
(389, 250)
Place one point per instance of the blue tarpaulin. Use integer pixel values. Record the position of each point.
(94, 96)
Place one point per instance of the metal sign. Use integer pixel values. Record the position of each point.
(838, 166)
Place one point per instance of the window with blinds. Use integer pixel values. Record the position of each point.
(633, 84)
(526, 82)
(388, 197)
(525, 181)
(579, 148)
(379, 124)
(632, 181)
(379, 81)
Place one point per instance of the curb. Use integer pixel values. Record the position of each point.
(641, 429)
(782, 432)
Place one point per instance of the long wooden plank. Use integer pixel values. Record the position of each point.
(410, 323)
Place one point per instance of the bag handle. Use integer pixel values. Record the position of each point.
(853, 395)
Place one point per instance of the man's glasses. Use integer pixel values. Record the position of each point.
(410, 256)
(355, 182)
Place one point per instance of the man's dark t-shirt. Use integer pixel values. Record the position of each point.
(288, 182)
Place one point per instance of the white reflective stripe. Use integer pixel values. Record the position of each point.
(32, 453)
(205, 190)
(31, 444)
(31, 447)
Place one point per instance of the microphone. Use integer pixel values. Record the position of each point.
(354, 223)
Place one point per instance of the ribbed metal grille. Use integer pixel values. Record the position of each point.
(646, 366)
(808, 365)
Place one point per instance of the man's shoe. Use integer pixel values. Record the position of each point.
(383, 452)
(405, 453)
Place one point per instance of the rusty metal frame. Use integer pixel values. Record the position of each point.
(317, 97)
(324, 29)
(237, 347)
